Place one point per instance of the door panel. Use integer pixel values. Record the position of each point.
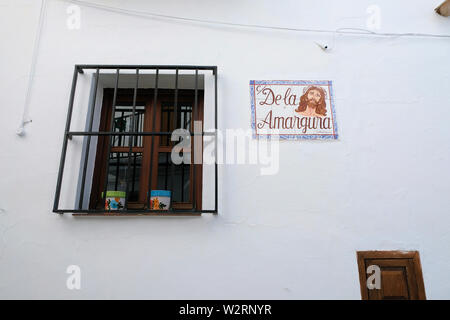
(400, 272)
(397, 280)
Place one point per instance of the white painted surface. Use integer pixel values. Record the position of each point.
(382, 185)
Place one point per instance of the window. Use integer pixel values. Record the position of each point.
(132, 143)
(123, 166)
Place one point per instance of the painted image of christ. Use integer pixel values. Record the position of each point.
(312, 102)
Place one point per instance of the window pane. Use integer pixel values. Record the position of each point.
(181, 182)
(123, 122)
(167, 119)
(167, 124)
(117, 175)
(186, 116)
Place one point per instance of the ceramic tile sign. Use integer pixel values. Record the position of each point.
(293, 109)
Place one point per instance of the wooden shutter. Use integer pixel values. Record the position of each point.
(401, 275)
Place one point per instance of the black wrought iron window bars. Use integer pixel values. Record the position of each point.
(79, 69)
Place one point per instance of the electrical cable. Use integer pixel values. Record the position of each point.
(352, 31)
(24, 120)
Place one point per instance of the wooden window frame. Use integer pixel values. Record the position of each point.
(144, 97)
(362, 256)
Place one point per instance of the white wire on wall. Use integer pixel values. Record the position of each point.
(146, 14)
(353, 31)
(25, 119)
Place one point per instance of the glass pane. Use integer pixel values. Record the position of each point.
(181, 182)
(123, 122)
(167, 124)
(167, 120)
(186, 115)
(117, 175)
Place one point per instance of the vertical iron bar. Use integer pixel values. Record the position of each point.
(134, 172)
(130, 140)
(66, 137)
(215, 127)
(88, 142)
(121, 139)
(119, 155)
(105, 187)
(183, 114)
(182, 181)
(137, 139)
(175, 115)
(140, 125)
(193, 119)
(167, 138)
(155, 102)
(166, 170)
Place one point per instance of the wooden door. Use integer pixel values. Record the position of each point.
(400, 272)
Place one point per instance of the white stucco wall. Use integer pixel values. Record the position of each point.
(382, 186)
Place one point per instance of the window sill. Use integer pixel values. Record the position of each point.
(152, 214)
